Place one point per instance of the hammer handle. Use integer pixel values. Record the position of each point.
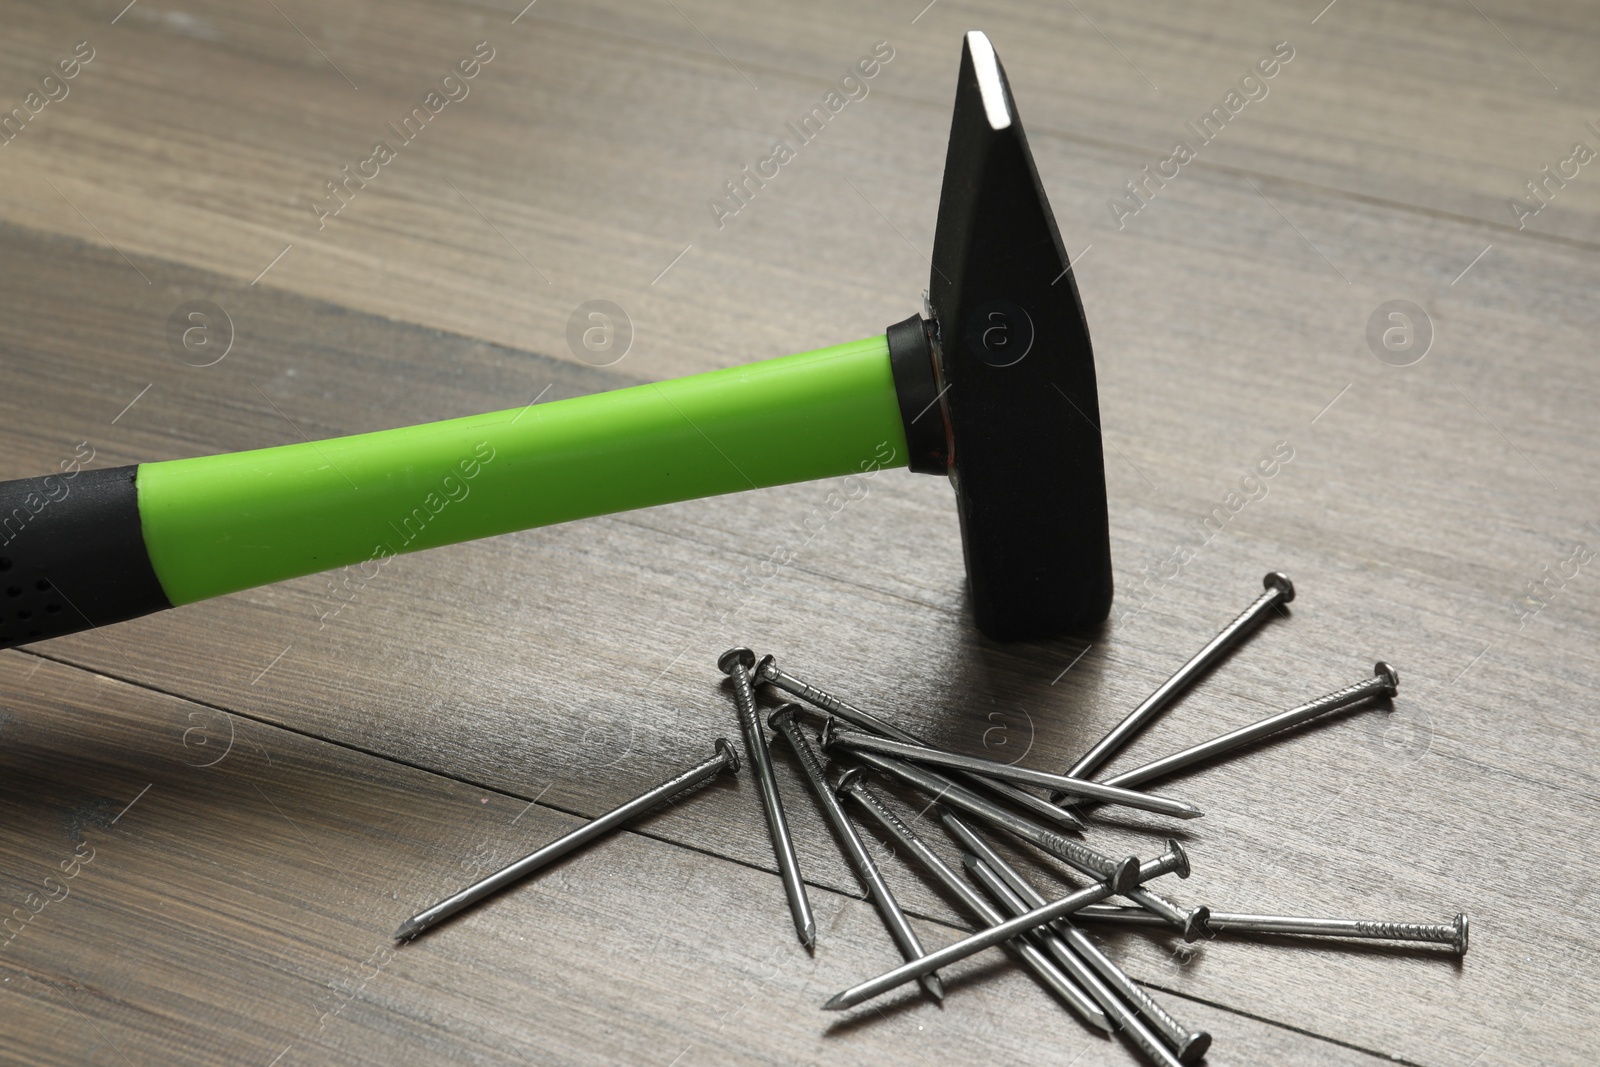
(112, 544)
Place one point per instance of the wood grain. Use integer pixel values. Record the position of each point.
(575, 665)
(602, 197)
(249, 877)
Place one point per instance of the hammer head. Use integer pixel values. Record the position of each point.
(1013, 374)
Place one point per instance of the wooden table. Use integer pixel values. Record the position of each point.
(250, 793)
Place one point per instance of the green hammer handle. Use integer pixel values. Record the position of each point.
(96, 547)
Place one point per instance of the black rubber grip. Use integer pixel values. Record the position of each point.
(72, 555)
(917, 389)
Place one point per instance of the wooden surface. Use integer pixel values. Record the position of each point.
(300, 782)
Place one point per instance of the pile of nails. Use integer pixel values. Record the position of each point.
(969, 794)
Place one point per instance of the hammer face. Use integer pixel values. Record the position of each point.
(1016, 377)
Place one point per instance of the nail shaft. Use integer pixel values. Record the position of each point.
(1123, 872)
(1279, 590)
(768, 671)
(1383, 683)
(1129, 1025)
(863, 742)
(1453, 933)
(1190, 1045)
(736, 664)
(1048, 973)
(726, 758)
(783, 721)
(1173, 860)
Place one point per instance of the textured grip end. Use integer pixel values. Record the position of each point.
(72, 555)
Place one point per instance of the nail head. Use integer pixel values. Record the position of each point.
(740, 656)
(1182, 868)
(1390, 676)
(1193, 1047)
(829, 732)
(1279, 581)
(851, 780)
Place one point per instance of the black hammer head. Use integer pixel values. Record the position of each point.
(1012, 376)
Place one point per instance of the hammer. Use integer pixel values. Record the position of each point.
(994, 387)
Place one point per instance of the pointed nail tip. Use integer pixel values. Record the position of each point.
(934, 986)
(407, 930)
(834, 1004)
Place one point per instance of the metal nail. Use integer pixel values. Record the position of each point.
(1190, 1045)
(726, 758)
(736, 664)
(1279, 590)
(767, 671)
(852, 785)
(1172, 861)
(857, 741)
(1453, 933)
(783, 721)
(1122, 872)
(1129, 1025)
(1384, 682)
(1191, 923)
